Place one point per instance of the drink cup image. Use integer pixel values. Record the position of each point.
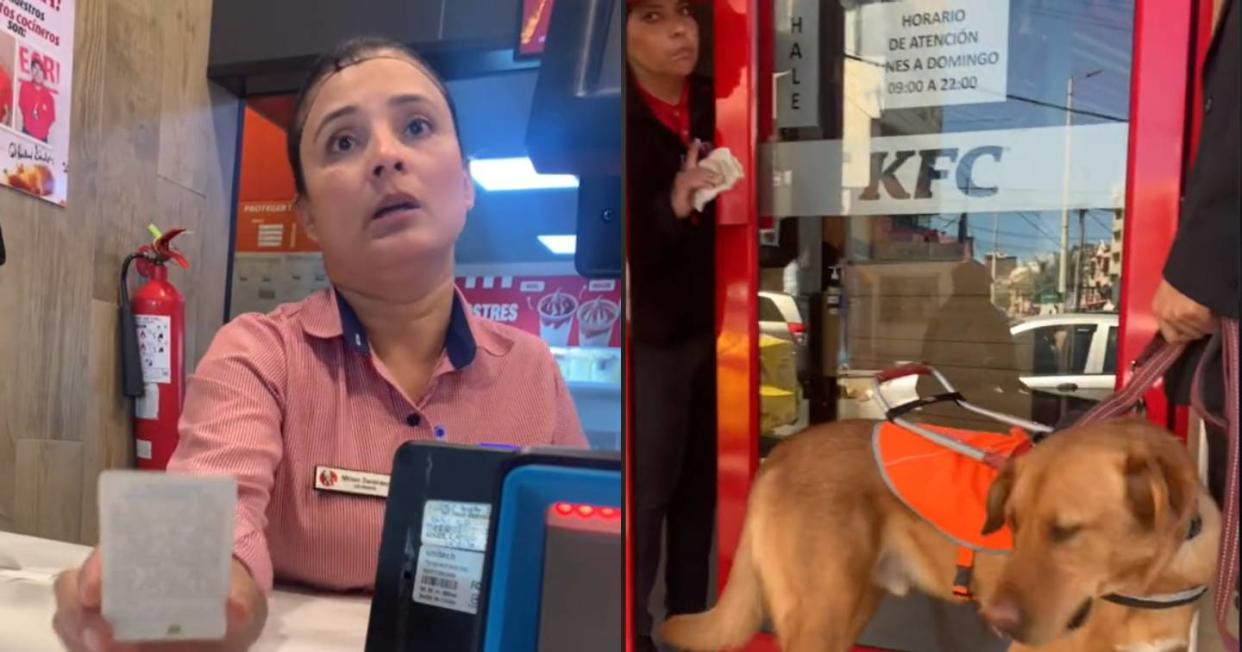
(556, 317)
(596, 319)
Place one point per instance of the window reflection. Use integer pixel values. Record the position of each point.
(982, 235)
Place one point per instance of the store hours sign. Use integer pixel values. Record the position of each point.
(938, 52)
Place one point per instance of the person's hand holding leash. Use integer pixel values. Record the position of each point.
(1180, 318)
(690, 179)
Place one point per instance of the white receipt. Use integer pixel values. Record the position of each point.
(166, 545)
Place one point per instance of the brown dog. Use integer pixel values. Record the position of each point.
(1097, 510)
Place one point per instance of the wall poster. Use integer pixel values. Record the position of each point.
(36, 85)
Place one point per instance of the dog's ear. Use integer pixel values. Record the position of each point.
(998, 496)
(1161, 485)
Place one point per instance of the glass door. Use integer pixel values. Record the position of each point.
(959, 182)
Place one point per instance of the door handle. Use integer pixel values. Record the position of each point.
(1067, 387)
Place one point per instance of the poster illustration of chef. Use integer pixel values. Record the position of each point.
(36, 101)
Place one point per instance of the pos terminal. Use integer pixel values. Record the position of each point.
(495, 548)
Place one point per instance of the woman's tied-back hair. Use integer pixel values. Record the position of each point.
(344, 55)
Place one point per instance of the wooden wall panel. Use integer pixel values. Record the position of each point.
(49, 479)
(153, 142)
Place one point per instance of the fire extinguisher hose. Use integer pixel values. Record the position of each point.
(131, 360)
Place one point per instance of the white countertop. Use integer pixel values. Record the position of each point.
(296, 620)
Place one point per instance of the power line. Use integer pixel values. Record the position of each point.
(1104, 226)
(1037, 227)
(1061, 107)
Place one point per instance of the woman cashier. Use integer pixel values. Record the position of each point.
(669, 119)
(391, 353)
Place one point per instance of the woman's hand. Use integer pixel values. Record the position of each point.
(1180, 318)
(691, 179)
(82, 628)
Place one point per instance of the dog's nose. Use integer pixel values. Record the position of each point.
(1005, 615)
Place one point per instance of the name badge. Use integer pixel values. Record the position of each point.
(344, 481)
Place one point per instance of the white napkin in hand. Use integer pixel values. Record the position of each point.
(722, 162)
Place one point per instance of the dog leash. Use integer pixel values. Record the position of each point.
(1227, 567)
(1225, 344)
(1149, 368)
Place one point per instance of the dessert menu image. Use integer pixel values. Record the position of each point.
(564, 311)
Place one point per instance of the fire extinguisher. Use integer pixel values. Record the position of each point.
(153, 349)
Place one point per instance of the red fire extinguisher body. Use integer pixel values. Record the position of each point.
(159, 316)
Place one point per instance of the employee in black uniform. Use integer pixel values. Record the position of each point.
(672, 288)
(1200, 283)
(1201, 274)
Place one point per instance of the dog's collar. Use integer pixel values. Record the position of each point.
(1156, 602)
(1167, 600)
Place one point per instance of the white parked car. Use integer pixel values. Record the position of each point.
(779, 317)
(1072, 354)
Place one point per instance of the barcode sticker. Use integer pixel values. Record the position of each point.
(458, 525)
(447, 578)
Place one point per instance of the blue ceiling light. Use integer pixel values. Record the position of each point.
(504, 174)
(561, 245)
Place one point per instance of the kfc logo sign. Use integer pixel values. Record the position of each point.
(931, 165)
(1004, 170)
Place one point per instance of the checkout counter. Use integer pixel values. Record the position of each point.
(549, 577)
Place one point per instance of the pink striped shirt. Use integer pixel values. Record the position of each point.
(278, 394)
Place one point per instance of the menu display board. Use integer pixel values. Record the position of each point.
(565, 311)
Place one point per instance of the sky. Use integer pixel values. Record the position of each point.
(1050, 40)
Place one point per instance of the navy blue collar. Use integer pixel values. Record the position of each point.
(459, 342)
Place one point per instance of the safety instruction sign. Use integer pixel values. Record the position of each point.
(155, 347)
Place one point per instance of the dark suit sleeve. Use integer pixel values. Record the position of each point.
(652, 217)
(1203, 263)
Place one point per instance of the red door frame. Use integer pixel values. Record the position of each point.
(1165, 35)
